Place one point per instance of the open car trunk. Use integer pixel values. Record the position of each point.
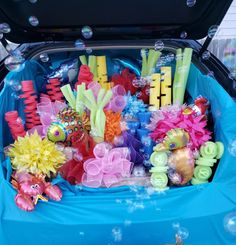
(125, 214)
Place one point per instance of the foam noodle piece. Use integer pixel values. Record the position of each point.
(182, 70)
(165, 86)
(53, 90)
(154, 98)
(79, 103)
(68, 93)
(83, 60)
(93, 66)
(15, 124)
(102, 72)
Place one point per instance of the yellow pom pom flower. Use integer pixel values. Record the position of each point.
(35, 155)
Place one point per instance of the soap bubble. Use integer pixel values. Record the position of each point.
(44, 57)
(144, 52)
(206, 55)
(190, 3)
(182, 69)
(147, 163)
(33, 20)
(230, 223)
(146, 141)
(87, 32)
(181, 232)
(79, 44)
(183, 34)
(33, 1)
(170, 57)
(15, 96)
(15, 85)
(178, 57)
(117, 234)
(232, 76)
(159, 45)
(232, 148)
(81, 233)
(89, 50)
(212, 31)
(118, 140)
(4, 28)
(15, 63)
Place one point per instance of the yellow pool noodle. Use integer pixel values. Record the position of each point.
(154, 98)
(165, 85)
(102, 72)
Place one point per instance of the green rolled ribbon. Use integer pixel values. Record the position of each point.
(208, 162)
(209, 150)
(159, 169)
(220, 149)
(159, 180)
(202, 173)
(159, 158)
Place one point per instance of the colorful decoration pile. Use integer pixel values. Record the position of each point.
(133, 128)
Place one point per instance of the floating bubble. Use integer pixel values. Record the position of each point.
(159, 45)
(33, 1)
(147, 163)
(170, 57)
(144, 52)
(15, 96)
(139, 171)
(232, 76)
(230, 223)
(183, 34)
(147, 91)
(232, 148)
(118, 140)
(206, 55)
(178, 57)
(190, 3)
(4, 28)
(44, 57)
(89, 50)
(33, 20)
(146, 141)
(79, 44)
(15, 63)
(87, 32)
(183, 233)
(182, 69)
(138, 94)
(117, 234)
(15, 85)
(212, 31)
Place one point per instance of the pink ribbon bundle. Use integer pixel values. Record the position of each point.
(108, 166)
(47, 111)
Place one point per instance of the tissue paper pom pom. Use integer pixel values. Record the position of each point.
(125, 79)
(133, 107)
(165, 120)
(113, 125)
(35, 155)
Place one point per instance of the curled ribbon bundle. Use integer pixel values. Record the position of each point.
(15, 124)
(108, 166)
(47, 111)
(53, 90)
(30, 101)
(118, 101)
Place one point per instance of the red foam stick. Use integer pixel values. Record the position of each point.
(53, 90)
(85, 76)
(30, 101)
(15, 124)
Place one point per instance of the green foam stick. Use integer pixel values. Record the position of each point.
(180, 82)
(92, 63)
(153, 56)
(79, 104)
(176, 77)
(83, 60)
(68, 94)
(144, 63)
